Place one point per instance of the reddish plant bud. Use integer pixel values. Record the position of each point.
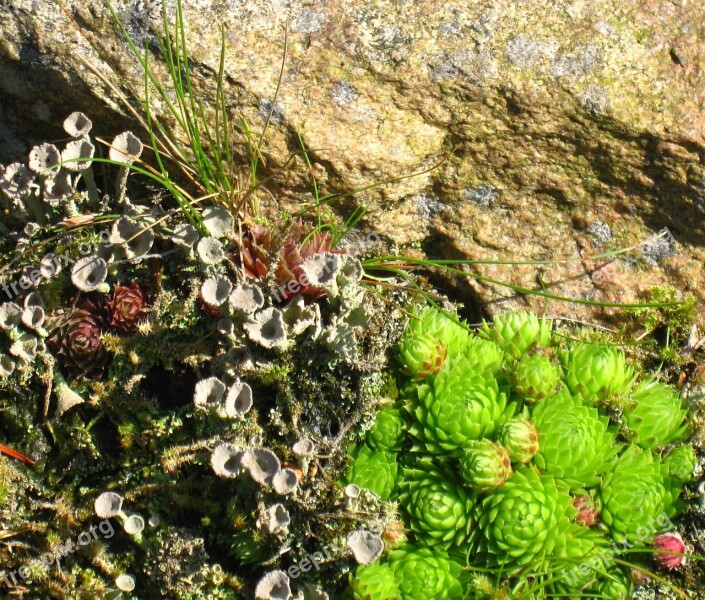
(668, 547)
(588, 514)
(394, 534)
(255, 250)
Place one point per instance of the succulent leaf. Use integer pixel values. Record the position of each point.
(517, 332)
(616, 586)
(75, 341)
(375, 470)
(580, 555)
(681, 462)
(388, 431)
(520, 523)
(635, 495)
(256, 250)
(588, 510)
(461, 405)
(535, 377)
(127, 307)
(375, 582)
(299, 244)
(422, 355)
(432, 323)
(521, 439)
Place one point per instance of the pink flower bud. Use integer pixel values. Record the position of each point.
(665, 544)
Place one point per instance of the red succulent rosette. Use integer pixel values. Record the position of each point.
(75, 341)
(256, 249)
(260, 257)
(299, 245)
(127, 308)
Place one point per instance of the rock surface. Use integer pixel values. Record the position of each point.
(566, 129)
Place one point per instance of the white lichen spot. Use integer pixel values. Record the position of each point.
(274, 586)
(209, 393)
(107, 505)
(267, 328)
(366, 546)
(89, 273)
(210, 251)
(215, 290)
(226, 461)
(238, 402)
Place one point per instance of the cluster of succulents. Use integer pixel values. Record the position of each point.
(75, 338)
(286, 267)
(524, 453)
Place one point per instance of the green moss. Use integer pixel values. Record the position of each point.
(677, 318)
(669, 326)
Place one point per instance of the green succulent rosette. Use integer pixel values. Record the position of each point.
(388, 432)
(485, 465)
(635, 495)
(680, 463)
(521, 439)
(574, 491)
(422, 355)
(482, 356)
(432, 325)
(426, 573)
(516, 332)
(535, 377)
(458, 406)
(375, 582)
(598, 373)
(375, 470)
(439, 509)
(616, 586)
(655, 416)
(521, 523)
(576, 444)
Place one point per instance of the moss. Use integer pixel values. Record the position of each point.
(668, 327)
(678, 318)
